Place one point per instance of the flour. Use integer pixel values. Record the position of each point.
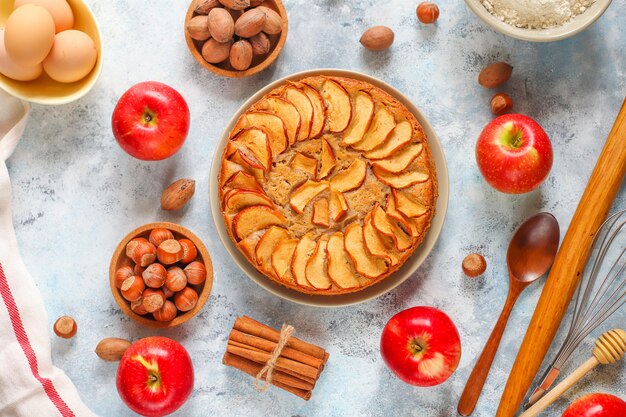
(536, 14)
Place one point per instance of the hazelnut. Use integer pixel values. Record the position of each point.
(501, 103)
(176, 279)
(166, 313)
(474, 265)
(121, 274)
(153, 300)
(195, 272)
(260, 44)
(65, 327)
(273, 22)
(141, 251)
(154, 275)
(427, 12)
(111, 349)
(198, 28)
(186, 299)
(132, 288)
(169, 252)
(167, 292)
(138, 270)
(159, 235)
(189, 251)
(241, 55)
(137, 307)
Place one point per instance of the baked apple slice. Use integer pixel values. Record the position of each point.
(407, 206)
(319, 110)
(364, 263)
(338, 106)
(401, 160)
(320, 213)
(243, 181)
(399, 138)
(350, 178)
(249, 164)
(407, 223)
(252, 219)
(256, 141)
(327, 160)
(304, 249)
(382, 125)
(237, 199)
(299, 99)
(281, 258)
(316, 271)
(270, 124)
(377, 245)
(229, 168)
(337, 205)
(267, 245)
(340, 269)
(248, 245)
(400, 180)
(287, 112)
(388, 227)
(305, 193)
(304, 163)
(363, 112)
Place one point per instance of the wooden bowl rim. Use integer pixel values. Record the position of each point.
(202, 297)
(252, 70)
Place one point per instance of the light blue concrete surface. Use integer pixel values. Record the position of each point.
(76, 194)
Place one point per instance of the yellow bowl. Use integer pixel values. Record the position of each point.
(44, 90)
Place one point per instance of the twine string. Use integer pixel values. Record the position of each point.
(262, 383)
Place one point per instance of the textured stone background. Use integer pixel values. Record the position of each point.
(77, 194)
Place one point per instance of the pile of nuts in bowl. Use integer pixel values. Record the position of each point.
(234, 31)
(164, 278)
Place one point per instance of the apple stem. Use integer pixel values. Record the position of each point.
(148, 118)
(518, 141)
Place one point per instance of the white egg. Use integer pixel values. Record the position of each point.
(13, 70)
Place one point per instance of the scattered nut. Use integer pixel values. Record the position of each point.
(241, 55)
(260, 44)
(153, 300)
(221, 25)
(65, 327)
(427, 12)
(250, 23)
(205, 6)
(474, 265)
(176, 279)
(166, 313)
(137, 307)
(186, 299)
(132, 288)
(121, 274)
(495, 74)
(141, 251)
(236, 4)
(154, 275)
(273, 23)
(195, 272)
(214, 52)
(377, 38)
(178, 193)
(198, 28)
(501, 103)
(167, 292)
(111, 349)
(159, 235)
(170, 252)
(189, 251)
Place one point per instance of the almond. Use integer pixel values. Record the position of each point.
(377, 38)
(214, 52)
(260, 44)
(205, 6)
(273, 23)
(241, 55)
(178, 194)
(236, 4)
(112, 349)
(250, 23)
(198, 28)
(221, 25)
(495, 74)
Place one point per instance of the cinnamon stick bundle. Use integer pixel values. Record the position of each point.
(295, 369)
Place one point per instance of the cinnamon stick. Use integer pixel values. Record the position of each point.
(263, 357)
(247, 325)
(279, 379)
(268, 346)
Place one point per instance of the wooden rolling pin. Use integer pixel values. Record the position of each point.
(603, 186)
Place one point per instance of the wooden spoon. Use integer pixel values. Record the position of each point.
(531, 253)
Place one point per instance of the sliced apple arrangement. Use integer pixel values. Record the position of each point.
(327, 185)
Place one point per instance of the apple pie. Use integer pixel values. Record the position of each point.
(327, 185)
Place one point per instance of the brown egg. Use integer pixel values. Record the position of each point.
(60, 11)
(13, 70)
(29, 35)
(72, 57)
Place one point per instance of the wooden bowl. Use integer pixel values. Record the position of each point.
(120, 259)
(259, 63)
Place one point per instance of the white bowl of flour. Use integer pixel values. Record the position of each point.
(539, 20)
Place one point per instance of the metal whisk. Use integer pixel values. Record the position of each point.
(599, 294)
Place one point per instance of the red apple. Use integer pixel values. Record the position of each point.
(421, 346)
(597, 405)
(151, 121)
(155, 376)
(514, 154)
